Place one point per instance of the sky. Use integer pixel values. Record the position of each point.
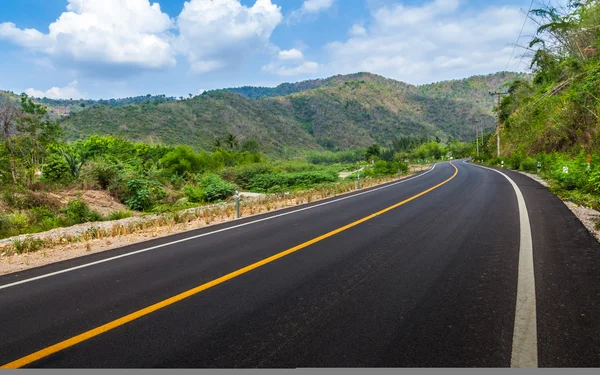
(102, 49)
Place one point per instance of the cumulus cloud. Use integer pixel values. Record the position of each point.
(68, 92)
(357, 30)
(108, 37)
(291, 63)
(94, 34)
(434, 41)
(216, 34)
(310, 7)
(291, 54)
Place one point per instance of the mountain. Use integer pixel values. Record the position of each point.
(64, 107)
(339, 112)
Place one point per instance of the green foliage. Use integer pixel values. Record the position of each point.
(27, 245)
(56, 169)
(214, 188)
(78, 212)
(250, 145)
(118, 215)
(329, 157)
(243, 175)
(429, 150)
(343, 113)
(385, 168)
(183, 160)
(143, 194)
(194, 194)
(279, 181)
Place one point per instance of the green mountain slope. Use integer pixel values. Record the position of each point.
(335, 113)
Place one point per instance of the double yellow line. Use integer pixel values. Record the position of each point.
(43, 353)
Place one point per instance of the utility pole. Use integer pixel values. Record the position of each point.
(498, 95)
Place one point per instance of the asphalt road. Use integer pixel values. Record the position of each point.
(431, 282)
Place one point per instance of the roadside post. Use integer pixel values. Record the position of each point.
(237, 204)
(358, 180)
(502, 163)
(539, 166)
(398, 174)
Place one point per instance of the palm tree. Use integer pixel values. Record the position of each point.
(217, 144)
(231, 141)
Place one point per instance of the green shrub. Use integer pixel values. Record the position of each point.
(265, 182)
(78, 212)
(194, 194)
(528, 164)
(143, 194)
(18, 221)
(118, 215)
(56, 169)
(384, 168)
(104, 173)
(214, 188)
(243, 175)
(27, 245)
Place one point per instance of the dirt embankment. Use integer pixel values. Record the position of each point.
(98, 200)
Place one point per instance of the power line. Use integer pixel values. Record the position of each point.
(520, 33)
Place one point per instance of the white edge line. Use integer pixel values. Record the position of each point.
(204, 234)
(524, 345)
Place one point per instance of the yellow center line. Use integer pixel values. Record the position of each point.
(43, 353)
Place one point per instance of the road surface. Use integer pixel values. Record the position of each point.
(429, 272)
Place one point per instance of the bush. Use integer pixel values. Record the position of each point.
(214, 188)
(143, 194)
(384, 168)
(27, 245)
(104, 173)
(242, 176)
(194, 194)
(78, 212)
(57, 169)
(529, 164)
(118, 215)
(280, 181)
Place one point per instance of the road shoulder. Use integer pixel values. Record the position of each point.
(586, 215)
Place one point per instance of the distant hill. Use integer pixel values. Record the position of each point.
(65, 107)
(336, 113)
(474, 89)
(284, 89)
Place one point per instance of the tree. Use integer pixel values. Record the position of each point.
(372, 151)
(250, 145)
(9, 112)
(217, 144)
(74, 161)
(37, 131)
(182, 160)
(231, 141)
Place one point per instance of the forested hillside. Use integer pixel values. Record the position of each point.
(553, 119)
(337, 113)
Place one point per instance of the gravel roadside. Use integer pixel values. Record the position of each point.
(586, 215)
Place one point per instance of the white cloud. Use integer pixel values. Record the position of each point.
(291, 54)
(68, 92)
(314, 6)
(291, 63)
(357, 30)
(306, 67)
(216, 34)
(310, 7)
(99, 33)
(434, 41)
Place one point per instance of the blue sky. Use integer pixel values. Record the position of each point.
(115, 48)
